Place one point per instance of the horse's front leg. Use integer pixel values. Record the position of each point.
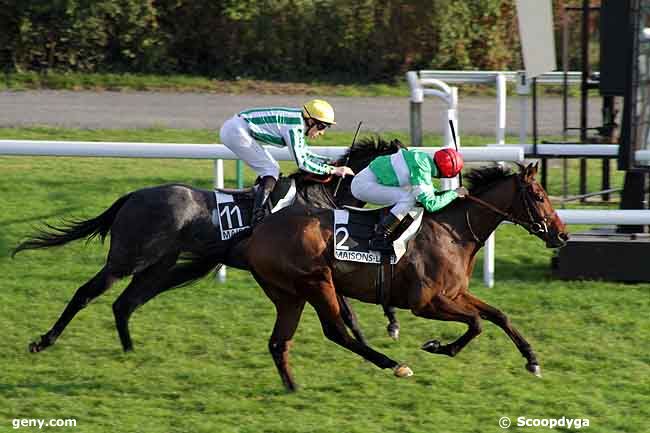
(497, 317)
(350, 319)
(442, 308)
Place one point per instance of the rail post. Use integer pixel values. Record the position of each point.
(416, 99)
(218, 183)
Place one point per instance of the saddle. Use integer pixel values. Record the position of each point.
(233, 211)
(353, 229)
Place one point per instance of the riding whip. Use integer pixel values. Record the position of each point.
(453, 135)
(348, 158)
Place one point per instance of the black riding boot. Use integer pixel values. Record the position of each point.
(262, 194)
(382, 241)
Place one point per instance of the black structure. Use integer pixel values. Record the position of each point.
(615, 46)
(636, 118)
(636, 113)
(623, 253)
(602, 255)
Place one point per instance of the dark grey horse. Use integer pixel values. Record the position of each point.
(154, 229)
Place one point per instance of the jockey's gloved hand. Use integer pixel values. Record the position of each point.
(342, 171)
(462, 192)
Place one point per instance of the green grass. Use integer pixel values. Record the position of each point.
(201, 362)
(186, 83)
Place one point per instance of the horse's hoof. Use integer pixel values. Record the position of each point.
(402, 370)
(393, 332)
(432, 346)
(35, 347)
(534, 369)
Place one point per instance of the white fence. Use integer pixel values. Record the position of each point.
(219, 152)
(421, 83)
(427, 83)
(216, 152)
(208, 151)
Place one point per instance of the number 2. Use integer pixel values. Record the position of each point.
(346, 235)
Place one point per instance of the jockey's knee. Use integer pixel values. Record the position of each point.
(273, 172)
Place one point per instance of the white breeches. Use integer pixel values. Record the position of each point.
(366, 187)
(235, 136)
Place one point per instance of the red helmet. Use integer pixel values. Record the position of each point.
(449, 162)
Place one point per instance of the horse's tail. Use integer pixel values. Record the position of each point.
(72, 230)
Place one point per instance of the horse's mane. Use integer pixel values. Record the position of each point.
(374, 145)
(481, 178)
(366, 148)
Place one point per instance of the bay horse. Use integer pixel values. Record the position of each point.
(431, 279)
(165, 238)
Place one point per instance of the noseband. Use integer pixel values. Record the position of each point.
(532, 226)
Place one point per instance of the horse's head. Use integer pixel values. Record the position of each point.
(534, 210)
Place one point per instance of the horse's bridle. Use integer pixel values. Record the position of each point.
(532, 226)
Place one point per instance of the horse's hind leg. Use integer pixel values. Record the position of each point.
(351, 321)
(442, 308)
(497, 317)
(324, 300)
(145, 285)
(139, 294)
(393, 324)
(83, 296)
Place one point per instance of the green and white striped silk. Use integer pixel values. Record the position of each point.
(410, 167)
(280, 127)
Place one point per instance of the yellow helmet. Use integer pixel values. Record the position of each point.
(319, 110)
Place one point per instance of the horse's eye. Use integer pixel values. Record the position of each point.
(536, 195)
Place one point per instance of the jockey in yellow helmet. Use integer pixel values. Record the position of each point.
(246, 133)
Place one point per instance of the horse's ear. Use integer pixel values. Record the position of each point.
(522, 170)
(528, 173)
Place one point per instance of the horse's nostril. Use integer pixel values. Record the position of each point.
(564, 236)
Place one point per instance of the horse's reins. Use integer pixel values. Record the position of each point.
(533, 227)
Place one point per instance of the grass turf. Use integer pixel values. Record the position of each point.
(201, 362)
(31, 80)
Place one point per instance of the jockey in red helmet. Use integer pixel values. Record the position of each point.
(402, 179)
